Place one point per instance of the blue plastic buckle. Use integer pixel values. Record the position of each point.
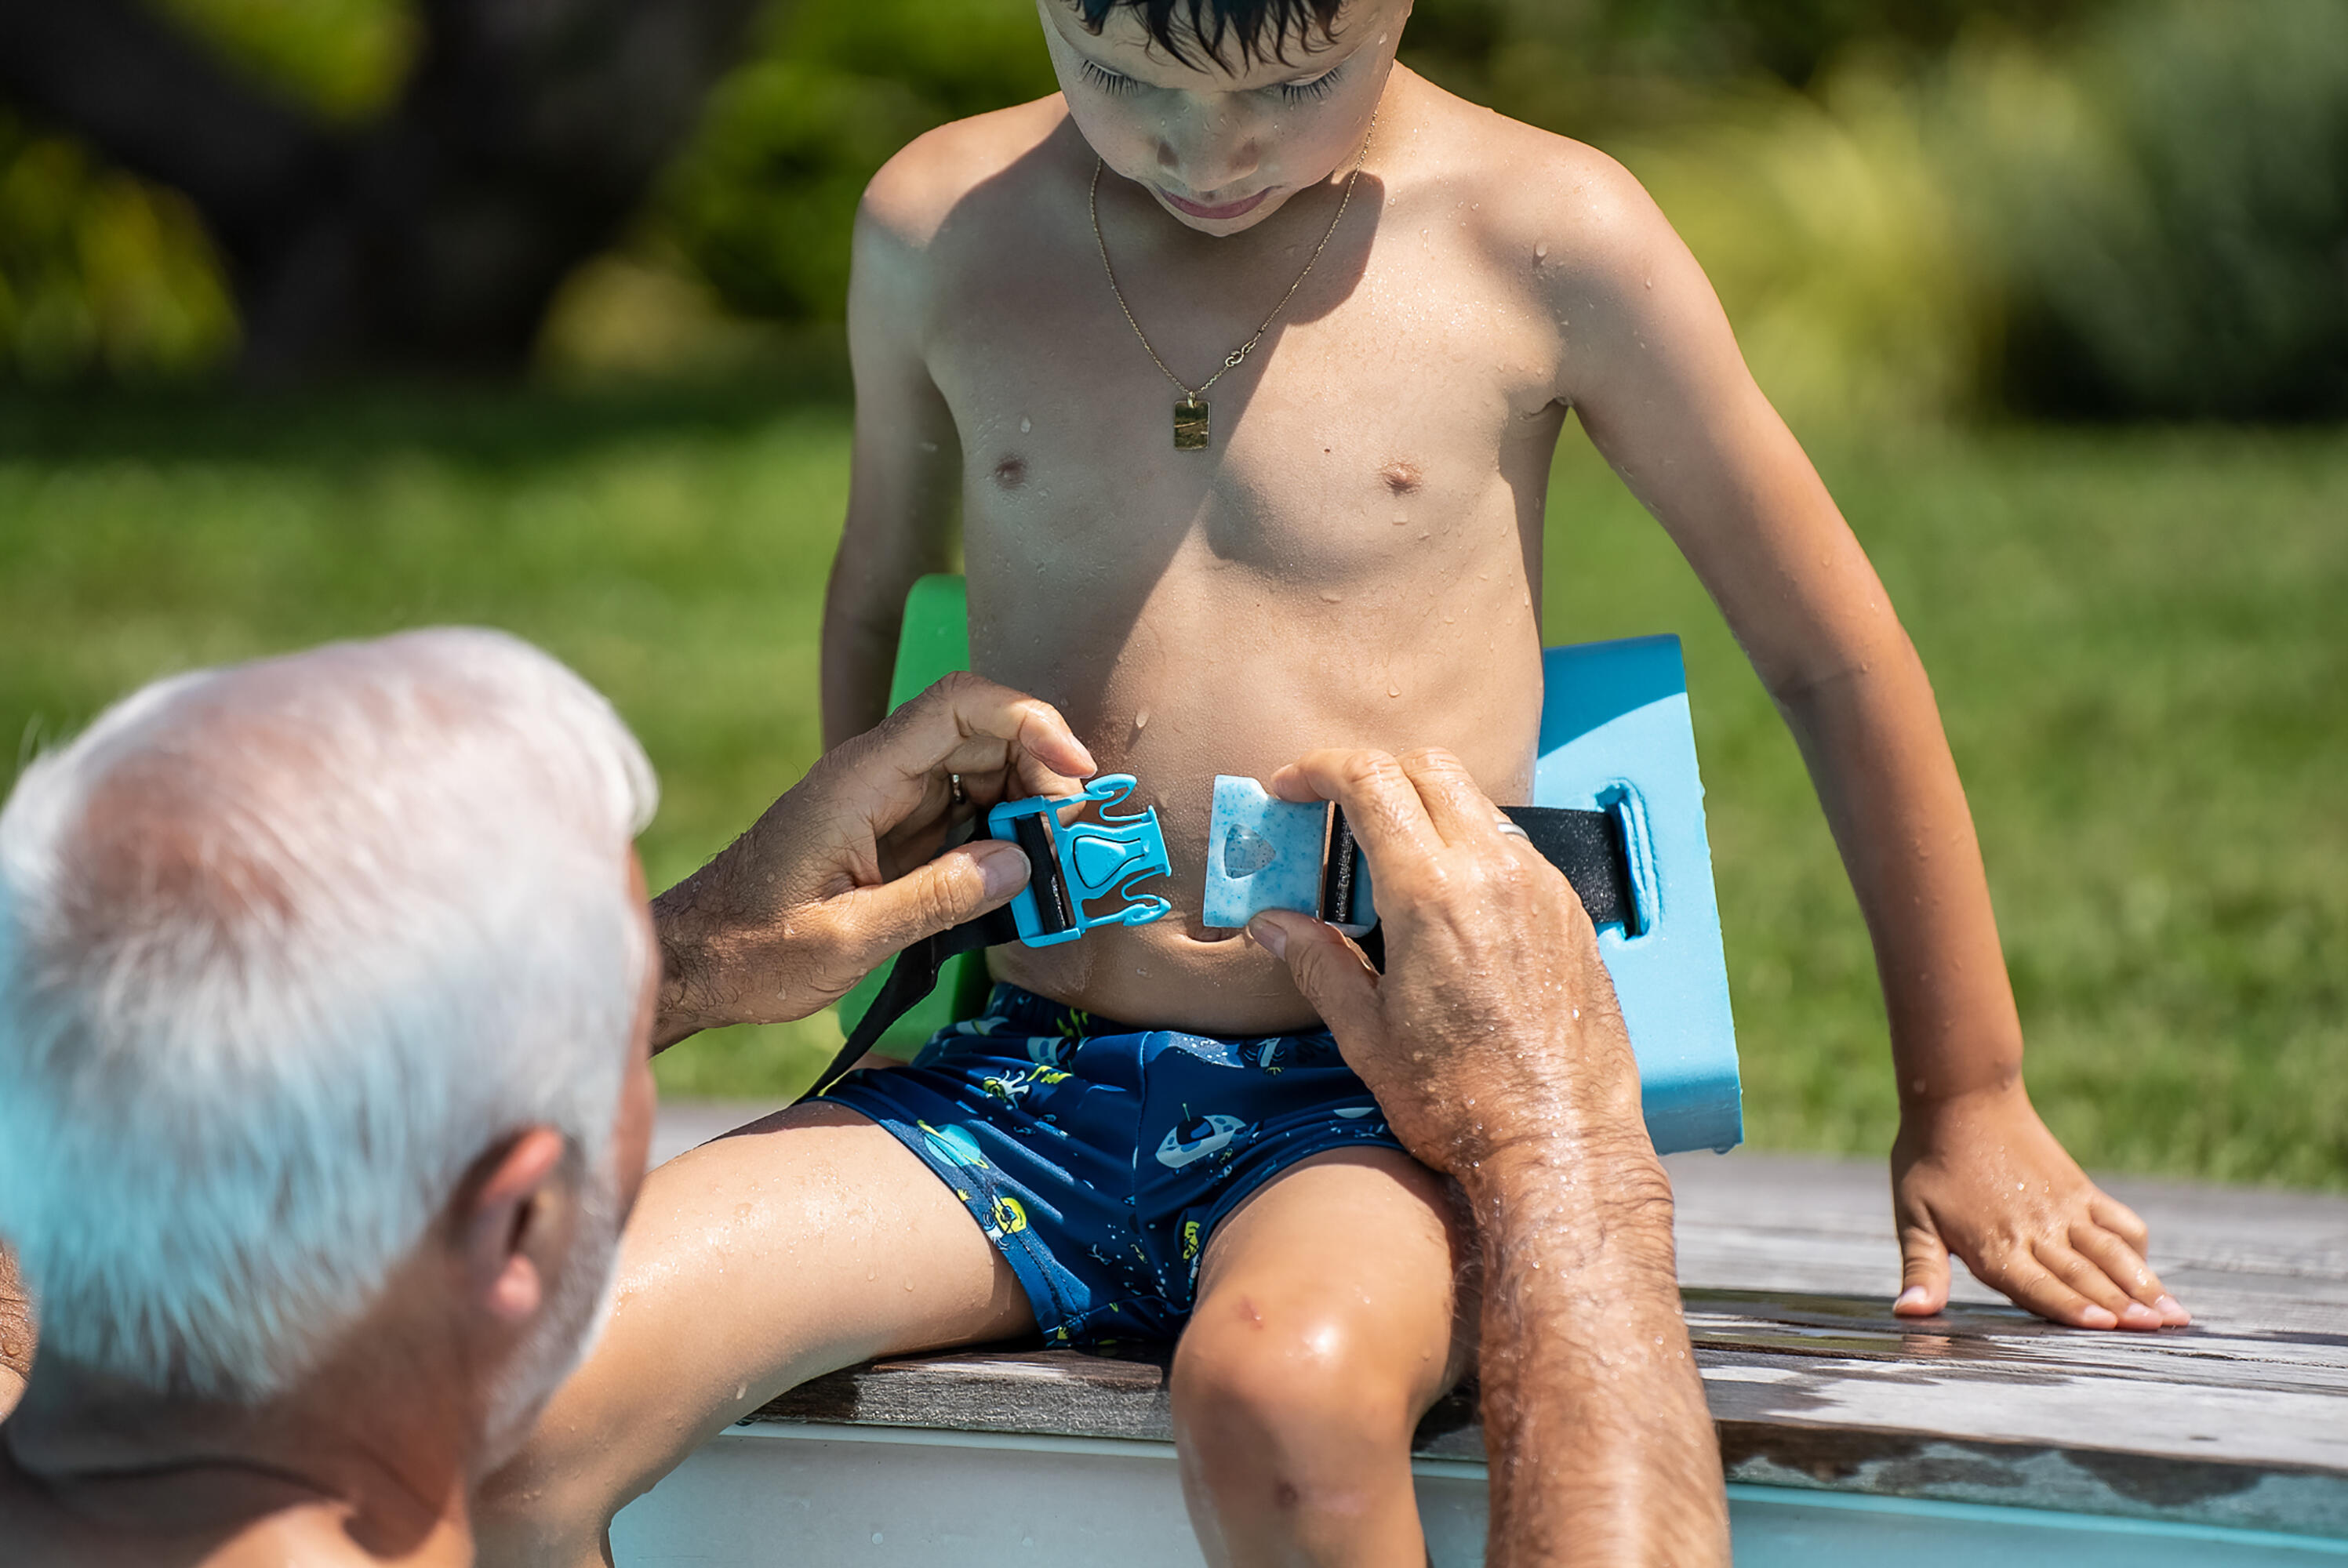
(1080, 863)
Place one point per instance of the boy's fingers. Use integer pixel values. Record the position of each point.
(2067, 1264)
(1923, 1273)
(2034, 1289)
(2125, 1267)
(2120, 1220)
(1327, 969)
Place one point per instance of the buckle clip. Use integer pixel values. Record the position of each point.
(1072, 864)
(1264, 853)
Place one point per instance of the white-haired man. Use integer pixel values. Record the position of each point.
(325, 989)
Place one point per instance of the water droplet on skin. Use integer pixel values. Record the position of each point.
(1400, 519)
(1330, 596)
(1393, 691)
(1540, 251)
(1142, 719)
(1651, 282)
(1026, 425)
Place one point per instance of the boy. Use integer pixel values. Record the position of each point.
(1398, 296)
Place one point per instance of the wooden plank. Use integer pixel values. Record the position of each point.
(1787, 1268)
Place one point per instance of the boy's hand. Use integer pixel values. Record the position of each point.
(1981, 1176)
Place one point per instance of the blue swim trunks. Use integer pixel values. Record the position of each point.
(1099, 1158)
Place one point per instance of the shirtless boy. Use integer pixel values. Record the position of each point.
(1349, 557)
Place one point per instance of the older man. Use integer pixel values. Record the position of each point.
(325, 985)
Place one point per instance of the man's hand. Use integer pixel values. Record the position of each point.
(845, 868)
(1486, 942)
(1981, 1176)
(15, 1334)
(1494, 1045)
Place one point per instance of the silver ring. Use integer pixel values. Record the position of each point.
(953, 783)
(1511, 829)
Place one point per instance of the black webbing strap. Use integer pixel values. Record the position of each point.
(1587, 846)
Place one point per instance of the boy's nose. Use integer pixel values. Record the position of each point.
(1210, 155)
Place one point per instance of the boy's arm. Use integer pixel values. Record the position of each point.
(1655, 375)
(906, 473)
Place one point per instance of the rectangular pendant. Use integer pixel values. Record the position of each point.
(1191, 424)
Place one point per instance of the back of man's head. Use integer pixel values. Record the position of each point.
(285, 949)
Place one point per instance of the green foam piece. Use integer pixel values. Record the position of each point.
(934, 644)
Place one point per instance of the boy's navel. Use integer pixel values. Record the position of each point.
(1011, 472)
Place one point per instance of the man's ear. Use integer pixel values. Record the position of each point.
(505, 1224)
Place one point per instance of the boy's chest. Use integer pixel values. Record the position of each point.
(1383, 417)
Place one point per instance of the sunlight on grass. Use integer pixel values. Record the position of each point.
(2135, 637)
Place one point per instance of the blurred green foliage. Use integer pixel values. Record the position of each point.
(342, 59)
(2151, 720)
(100, 274)
(2169, 212)
(2072, 207)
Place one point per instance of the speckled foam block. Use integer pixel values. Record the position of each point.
(1262, 853)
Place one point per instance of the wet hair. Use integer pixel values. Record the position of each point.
(1231, 33)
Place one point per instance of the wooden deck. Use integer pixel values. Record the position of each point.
(1787, 1266)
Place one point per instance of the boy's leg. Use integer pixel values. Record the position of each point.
(802, 1243)
(1332, 1312)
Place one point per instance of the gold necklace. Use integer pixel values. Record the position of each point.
(1190, 409)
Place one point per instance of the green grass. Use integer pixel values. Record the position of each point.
(2137, 638)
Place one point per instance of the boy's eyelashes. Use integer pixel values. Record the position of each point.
(1118, 84)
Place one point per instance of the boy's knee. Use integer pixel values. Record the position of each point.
(1254, 1376)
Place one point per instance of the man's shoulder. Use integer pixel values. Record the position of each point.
(41, 1533)
(942, 174)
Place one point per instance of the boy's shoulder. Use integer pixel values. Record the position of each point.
(1520, 187)
(938, 173)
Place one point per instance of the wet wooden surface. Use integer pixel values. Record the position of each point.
(1787, 1266)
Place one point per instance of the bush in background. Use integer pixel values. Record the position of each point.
(2105, 208)
(2167, 210)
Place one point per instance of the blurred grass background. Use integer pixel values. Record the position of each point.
(2055, 291)
(2137, 637)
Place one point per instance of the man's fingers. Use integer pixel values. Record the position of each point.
(957, 886)
(2035, 1290)
(1923, 1270)
(1382, 804)
(967, 724)
(1461, 812)
(1327, 969)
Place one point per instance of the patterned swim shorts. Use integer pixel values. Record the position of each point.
(1098, 1158)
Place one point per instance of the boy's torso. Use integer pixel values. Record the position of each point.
(1355, 560)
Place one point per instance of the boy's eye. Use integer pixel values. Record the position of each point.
(1107, 80)
(1319, 87)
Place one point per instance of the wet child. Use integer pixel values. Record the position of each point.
(1240, 363)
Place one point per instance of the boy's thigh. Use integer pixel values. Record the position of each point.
(1358, 1257)
(803, 1243)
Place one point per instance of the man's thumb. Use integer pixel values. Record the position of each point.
(960, 885)
(1326, 968)
(1923, 1270)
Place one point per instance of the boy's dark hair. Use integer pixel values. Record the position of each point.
(1253, 30)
